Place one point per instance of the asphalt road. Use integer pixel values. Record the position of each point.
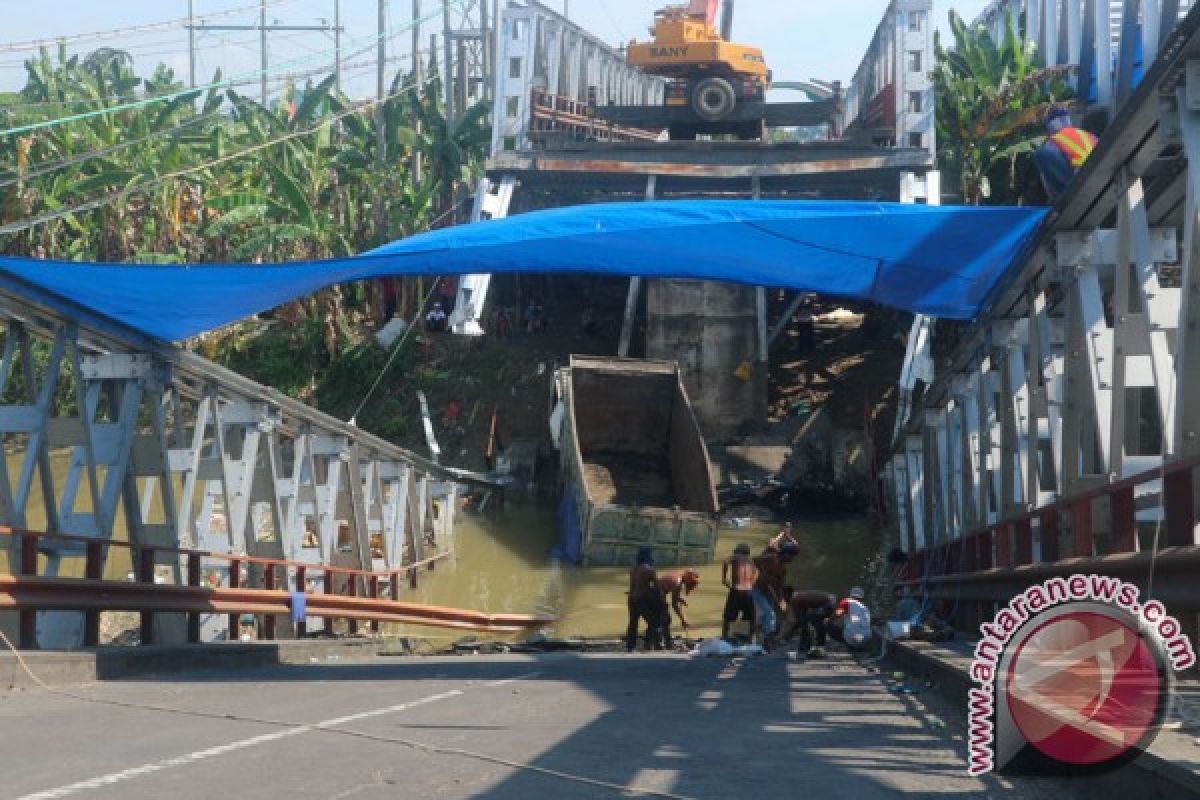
(493, 727)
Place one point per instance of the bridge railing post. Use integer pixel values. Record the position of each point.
(268, 628)
(93, 570)
(235, 582)
(193, 580)
(27, 631)
(145, 574)
(352, 591)
(327, 588)
(1049, 530)
(301, 588)
(1179, 508)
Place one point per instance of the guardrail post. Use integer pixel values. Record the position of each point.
(352, 591)
(145, 574)
(27, 632)
(986, 559)
(1082, 535)
(93, 570)
(327, 587)
(394, 587)
(1048, 534)
(412, 577)
(971, 550)
(193, 580)
(1004, 545)
(373, 584)
(1022, 532)
(302, 588)
(268, 629)
(1179, 508)
(1124, 521)
(235, 582)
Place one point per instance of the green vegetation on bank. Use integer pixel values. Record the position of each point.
(991, 98)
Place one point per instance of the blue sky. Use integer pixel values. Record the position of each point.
(802, 38)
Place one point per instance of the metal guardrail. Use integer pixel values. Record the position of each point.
(1025, 454)
(166, 449)
(330, 592)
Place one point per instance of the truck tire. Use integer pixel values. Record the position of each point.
(713, 99)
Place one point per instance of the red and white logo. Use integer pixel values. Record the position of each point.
(1076, 670)
(1085, 687)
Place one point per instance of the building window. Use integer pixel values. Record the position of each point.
(510, 143)
(514, 68)
(916, 140)
(914, 60)
(916, 21)
(516, 32)
(514, 106)
(914, 102)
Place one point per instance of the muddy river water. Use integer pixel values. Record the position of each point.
(502, 565)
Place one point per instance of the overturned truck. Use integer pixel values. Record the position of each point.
(634, 469)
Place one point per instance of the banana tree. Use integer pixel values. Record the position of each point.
(990, 99)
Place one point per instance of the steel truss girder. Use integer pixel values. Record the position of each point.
(159, 447)
(1092, 346)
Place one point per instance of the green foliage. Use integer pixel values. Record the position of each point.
(329, 190)
(991, 98)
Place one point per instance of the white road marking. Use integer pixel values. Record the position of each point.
(219, 750)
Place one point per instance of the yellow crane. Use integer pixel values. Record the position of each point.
(723, 83)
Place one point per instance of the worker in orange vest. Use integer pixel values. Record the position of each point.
(1065, 150)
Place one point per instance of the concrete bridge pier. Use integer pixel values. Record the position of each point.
(712, 331)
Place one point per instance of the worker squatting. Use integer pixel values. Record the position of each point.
(757, 594)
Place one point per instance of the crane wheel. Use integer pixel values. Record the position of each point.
(713, 99)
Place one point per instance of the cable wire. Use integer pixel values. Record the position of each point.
(339, 731)
(33, 222)
(35, 44)
(197, 90)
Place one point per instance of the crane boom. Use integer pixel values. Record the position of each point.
(704, 8)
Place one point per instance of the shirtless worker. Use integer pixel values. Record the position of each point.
(675, 585)
(738, 574)
(644, 601)
(811, 610)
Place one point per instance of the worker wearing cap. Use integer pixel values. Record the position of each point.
(738, 575)
(852, 620)
(1064, 152)
(675, 585)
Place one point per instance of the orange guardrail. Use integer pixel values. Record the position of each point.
(346, 593)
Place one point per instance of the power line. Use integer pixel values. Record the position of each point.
(35, 44)
(356, 69)
(143, 102)
(91, 205)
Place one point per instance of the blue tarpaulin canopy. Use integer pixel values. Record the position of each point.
(941, 261)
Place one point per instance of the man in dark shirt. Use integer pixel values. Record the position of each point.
(644, 601)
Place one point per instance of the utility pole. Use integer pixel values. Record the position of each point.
(337, 44)
(448, 58)
(262, 46)
(380, 86)
(567, 8)
(418, 87)
(192, 43)
(263, 29)
(381, 119)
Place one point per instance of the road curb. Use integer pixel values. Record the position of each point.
(63, 668)
(1155, 774)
